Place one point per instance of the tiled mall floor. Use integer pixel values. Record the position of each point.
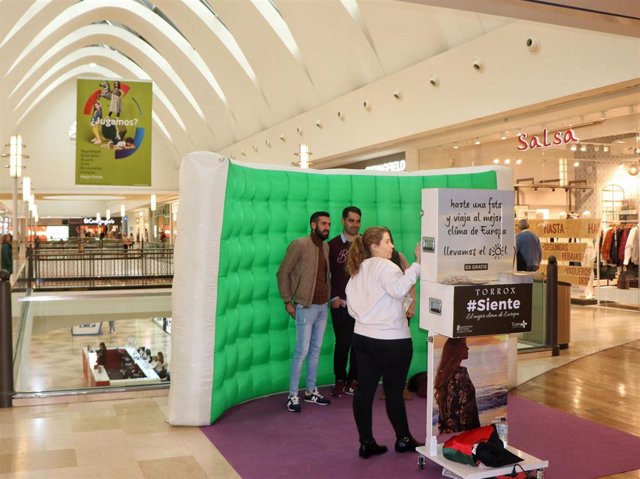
(130, 438)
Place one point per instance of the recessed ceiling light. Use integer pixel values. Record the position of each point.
(519, 161)
(477, 141)
(455, 146)
(576, 164)
(507, 161)
(496, 161)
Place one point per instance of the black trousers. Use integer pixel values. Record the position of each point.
(343, 328)
(389, 358)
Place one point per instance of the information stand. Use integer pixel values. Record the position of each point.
(467, 242)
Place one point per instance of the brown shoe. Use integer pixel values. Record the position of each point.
(338, 389)
(406, 395)
(351, 389)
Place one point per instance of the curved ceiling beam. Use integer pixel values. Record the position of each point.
(92, 34)
(275, 62)
(143, 55)
(164, 38)
(249, 104)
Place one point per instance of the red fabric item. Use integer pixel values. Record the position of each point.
(465, 441)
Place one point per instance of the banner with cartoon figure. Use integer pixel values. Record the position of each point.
(113, 139)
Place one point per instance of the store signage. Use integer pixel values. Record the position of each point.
(491, 309)
(564, 251)
(575, 275)
(569, 228)
(468, 234)
(95, 221)
(546, 139)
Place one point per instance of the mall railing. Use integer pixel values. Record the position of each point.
(66, 268)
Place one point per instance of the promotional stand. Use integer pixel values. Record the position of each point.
(467, 244)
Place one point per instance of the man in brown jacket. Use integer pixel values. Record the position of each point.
(303, 281)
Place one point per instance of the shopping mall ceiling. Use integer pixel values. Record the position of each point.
(224, 71)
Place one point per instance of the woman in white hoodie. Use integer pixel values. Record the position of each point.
(382, 339)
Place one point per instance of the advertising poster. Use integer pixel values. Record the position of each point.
(467, 234)
(113, 139)
(470, 383)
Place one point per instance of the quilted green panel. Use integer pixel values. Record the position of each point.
(264, 211)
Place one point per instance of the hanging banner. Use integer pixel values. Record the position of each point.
(113, 134)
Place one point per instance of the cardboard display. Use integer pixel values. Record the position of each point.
(466, 234)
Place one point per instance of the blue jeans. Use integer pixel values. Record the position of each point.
(310, 325)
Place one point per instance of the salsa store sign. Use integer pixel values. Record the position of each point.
(500, 309)
(546, 140)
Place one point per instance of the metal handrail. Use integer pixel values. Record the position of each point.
(99, 269)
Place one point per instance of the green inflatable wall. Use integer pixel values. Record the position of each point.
(264, 210)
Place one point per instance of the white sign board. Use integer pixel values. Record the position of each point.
(468, 235)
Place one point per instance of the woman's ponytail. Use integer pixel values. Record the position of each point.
(356, 256)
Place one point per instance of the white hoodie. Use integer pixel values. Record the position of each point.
(375, 298)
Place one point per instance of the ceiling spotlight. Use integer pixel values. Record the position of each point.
(576, 164)
(283, 138)
(583, 147)
(519, 161)
(93, 65)
(603, 115)
(300, 131)
(496, 161)
(397, 94)
(476, 141)
(507, 161)
(605, 149)
(633, 170)
(637, 151)
(503, 136)
(455, 146)
(573, 148)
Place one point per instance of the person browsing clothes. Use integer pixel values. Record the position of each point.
(381, 335)
(303, 282)
(528, 250)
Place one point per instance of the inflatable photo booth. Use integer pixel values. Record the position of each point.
(232, 339)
